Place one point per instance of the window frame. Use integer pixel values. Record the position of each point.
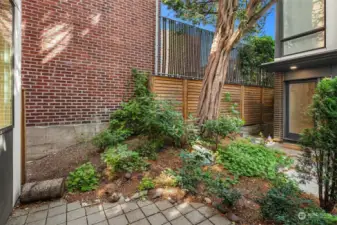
(11, 126)
(287, 135)
(303, 34)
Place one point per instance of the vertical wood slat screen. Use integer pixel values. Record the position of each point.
(254, 103)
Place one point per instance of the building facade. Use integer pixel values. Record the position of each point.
(10, 105)
(76, 68)
(306, 51)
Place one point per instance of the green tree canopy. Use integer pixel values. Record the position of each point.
(253, 52)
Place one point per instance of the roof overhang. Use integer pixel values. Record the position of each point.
(305, 62)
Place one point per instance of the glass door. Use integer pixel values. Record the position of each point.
(298, 100)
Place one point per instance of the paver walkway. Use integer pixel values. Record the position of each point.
(141, 212)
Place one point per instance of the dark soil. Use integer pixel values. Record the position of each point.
(61, 163)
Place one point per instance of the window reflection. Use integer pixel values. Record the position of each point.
(6, 51)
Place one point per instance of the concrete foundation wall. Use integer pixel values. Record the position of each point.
(42, 141)
(266, 129)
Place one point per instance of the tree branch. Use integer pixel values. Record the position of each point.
(255, 17)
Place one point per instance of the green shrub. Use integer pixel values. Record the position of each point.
(150, 148)
(243, 158)
(283, 204)
(320, 144)
(120, 159)
(144, 115)
(229, 196)
(84, 178)
(107, 138)
(191, 174)
(146, 183)
(192, 131)
(222, 127)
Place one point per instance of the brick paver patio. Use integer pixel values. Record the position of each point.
(141, 212)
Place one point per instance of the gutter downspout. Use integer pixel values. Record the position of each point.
(156, 48)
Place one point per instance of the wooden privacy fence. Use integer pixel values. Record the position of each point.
(254, 103)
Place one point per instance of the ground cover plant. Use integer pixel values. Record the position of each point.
(150, 148)
(146, 183)
(120, 159)
(244, 158)
(84, 178)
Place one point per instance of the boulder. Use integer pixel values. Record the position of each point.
(114, 197)
(158, 193)
(232, 217)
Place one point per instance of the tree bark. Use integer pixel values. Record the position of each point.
(42, 190)
(216, 70)
(226, 36)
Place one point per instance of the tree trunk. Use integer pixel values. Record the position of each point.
(216, 70)
(42, 190)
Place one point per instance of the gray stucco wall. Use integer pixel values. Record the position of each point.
(42, 141)
(331, 32)
(6, 175)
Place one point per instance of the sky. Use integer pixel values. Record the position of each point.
(269, 28)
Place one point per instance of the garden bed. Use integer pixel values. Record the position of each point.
(149, 150)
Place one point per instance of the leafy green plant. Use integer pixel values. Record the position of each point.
(283, 204)
(120, 159)
(145, 115)
(107, 138)
(229, 196)
(234, 106)
(84, 178)
(243, 158)
(256, 50)
(150, 148)
(146, 183)
(319, 160)
(222, 127)
(192, 131)
(191, 174)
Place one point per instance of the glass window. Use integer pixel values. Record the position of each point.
(304, 43)
(303, 25)
(6, 71)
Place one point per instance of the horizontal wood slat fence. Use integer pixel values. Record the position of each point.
(256, 104)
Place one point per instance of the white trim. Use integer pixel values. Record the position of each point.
(17, 103)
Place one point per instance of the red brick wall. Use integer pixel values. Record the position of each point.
(278, 106)
(77, 56)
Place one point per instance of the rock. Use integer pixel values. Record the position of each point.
(110, 189)
(114, 197)
(232, 217)
(158, 193)
(121, 199)
(42, 190)
(171, 200)
(128, 176)
(138, 195)
(208, 200)
(127, 200)
(208, 154)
